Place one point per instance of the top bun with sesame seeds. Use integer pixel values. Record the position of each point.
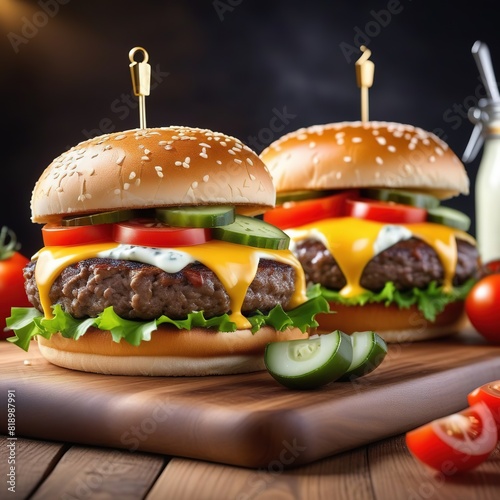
(361, 204)
(154, 263)
(155, 167)
(361, 155)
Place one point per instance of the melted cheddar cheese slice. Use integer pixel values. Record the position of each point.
(234, 265)
(352, 243)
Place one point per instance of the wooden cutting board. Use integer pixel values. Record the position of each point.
(246, 420)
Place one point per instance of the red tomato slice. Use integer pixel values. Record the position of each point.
(457, 442)
(385, 211)
(298, 213)
(489, 394)
(152, 233)
(54, 235)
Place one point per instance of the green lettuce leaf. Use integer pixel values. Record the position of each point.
(430, 301)
(28, 322)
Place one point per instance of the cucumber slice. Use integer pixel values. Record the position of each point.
(196, 216)
(449, 217)
(368, 351)
(99, 218)
(421, 200)
(252, 232)
(300, 196)
(309, 363)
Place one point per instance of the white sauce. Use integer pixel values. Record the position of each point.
(170, 261)
(390, 235)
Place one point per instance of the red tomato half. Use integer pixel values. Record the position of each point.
(151, 233)
(482, 307)
(489, 394)
(54, 235)
(385, 211)
(457, 442)
(297, 213)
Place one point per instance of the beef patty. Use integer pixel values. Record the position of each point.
(408, 264)
(142, 291)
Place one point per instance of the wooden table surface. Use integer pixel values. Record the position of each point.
(50, 468)
(382, 470)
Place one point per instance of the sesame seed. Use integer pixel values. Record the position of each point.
(392, 149)
(119, 160)
(252, 177)
(204, 155)
(120, 137)
(347, 159)
(302, 137)
(147, 151)
(223, 143)
(205, 145)
(218, 162)
(162, 143)
(356, 139)
(187, 159)
(158, 168)
(312, 144)
(145, 158)
(237, 160)
(432, 159)
(132, 175)
(231, 152)
(185, 165)
(117, 191)
(178, 163)
(194, 185)
(439, 151)
(381, 140)
(249, 161)
(411, 145)
(126, 185)
(185, 138)
(205, 178)
(168, 146)
(379, 160)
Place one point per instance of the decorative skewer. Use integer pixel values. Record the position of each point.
(141, 81)
(364, 77)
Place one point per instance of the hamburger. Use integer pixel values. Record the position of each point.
(154, 261)
(361, 202)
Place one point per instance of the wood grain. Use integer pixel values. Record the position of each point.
(34, 460)
(100, 474)
(246, 420)
(344, 476)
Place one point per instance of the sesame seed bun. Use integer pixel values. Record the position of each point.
(373, 154)
(170, 352)
(154, 167)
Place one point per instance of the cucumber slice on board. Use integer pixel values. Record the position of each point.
(422, 200)
(99, 218)
(252, 232)
(368, 351)
(449, 217)
(211, 216)
(309, 363)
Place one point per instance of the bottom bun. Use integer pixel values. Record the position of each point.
(170, 352)
(392, 323)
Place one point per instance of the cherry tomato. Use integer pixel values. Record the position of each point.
(482, 307)
(457, 442)
(385, 211)
(489, 394)
(298, 213)
(54, 235)
(151, 233)
(12, 293)
(493, 266)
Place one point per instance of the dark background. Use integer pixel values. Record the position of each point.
(228, 65)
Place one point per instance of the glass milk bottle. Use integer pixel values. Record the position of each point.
(487, 195)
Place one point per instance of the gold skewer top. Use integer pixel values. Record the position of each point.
(364, 77)
(141, 80)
